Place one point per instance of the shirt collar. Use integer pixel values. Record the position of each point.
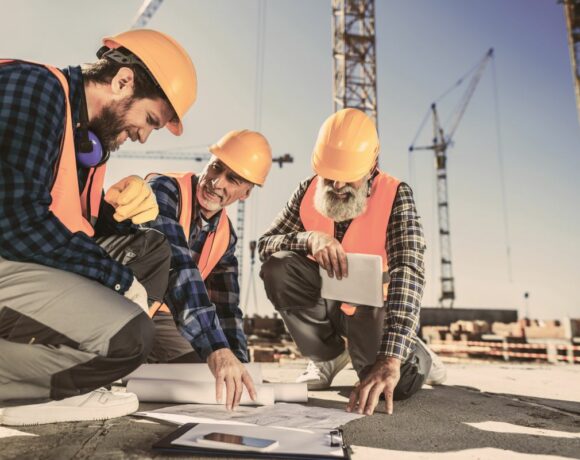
(74, 76)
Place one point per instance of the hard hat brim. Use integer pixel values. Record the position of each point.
(234, 166)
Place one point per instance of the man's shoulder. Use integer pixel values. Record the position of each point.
(33, 84)
(30, 72)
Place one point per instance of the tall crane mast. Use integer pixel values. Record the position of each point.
(572, 13)
(354, 56)
(441, 142)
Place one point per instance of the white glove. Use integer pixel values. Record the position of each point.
(137, 293)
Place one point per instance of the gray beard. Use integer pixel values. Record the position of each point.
(337, 209)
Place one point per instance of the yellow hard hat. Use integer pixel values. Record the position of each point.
(167, 62)
(247, 153)
(347, 146)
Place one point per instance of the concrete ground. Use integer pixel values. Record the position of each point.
(499, 411)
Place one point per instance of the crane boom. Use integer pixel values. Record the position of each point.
(145, 13)
(441, 142)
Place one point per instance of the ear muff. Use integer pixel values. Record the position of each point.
(89, 150)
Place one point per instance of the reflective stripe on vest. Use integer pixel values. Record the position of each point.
(78, 212)
(216, 243)
(358, 238)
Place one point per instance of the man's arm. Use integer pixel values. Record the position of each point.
(190, 304)
(187, 297)
(224, 291)
(286, 232)
(32, 111)
(405, 247)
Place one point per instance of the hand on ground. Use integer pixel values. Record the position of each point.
(382, 378)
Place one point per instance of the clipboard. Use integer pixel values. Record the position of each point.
(165, 445)
(364, 284)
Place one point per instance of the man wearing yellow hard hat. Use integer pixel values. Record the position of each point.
(203, 294)
(76, 279)
(350, 206)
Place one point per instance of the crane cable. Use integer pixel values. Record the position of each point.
(501, 172)
(258, 98)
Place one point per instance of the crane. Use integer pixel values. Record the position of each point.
(572, 13)
(441, 142)
(354, 56)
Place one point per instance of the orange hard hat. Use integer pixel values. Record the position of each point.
(347, 146)
(168, 62)
(247, 153)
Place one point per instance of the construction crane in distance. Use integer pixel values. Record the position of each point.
(145, 13)
(442, 140)
(572, 13)
(354, 56)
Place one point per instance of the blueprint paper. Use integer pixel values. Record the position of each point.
(280, 414)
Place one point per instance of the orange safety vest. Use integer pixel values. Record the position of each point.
(216, 243)
(367, 233)
(78, 212)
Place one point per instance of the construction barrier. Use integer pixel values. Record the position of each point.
(505, 350)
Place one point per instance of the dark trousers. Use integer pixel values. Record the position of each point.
(319, 327)
(63, 335)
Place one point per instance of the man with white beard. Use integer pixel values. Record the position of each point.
(350, 206)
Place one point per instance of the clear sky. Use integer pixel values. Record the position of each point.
(422, 48)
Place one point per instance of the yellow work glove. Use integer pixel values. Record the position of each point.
(133, 199)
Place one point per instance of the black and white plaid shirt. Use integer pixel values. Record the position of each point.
(405, 249)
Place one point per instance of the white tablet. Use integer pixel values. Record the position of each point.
(364, 284)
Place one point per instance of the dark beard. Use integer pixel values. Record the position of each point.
(110, 123)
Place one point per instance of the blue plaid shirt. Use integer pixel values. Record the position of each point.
(32, 113)
(207, 314)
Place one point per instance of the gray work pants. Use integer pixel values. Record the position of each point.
(318, 326)
(62, 335)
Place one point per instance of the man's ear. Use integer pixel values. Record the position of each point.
(123, 82)
(246, 195)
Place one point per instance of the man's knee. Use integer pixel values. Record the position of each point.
(154, 244)
(274, 270)
(291, 280)
(134, 340)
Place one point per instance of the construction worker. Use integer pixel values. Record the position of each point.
(73, 317)
(203, 294)
(350, 206)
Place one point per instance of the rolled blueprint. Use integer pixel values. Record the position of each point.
(186, 372)
(178, 391)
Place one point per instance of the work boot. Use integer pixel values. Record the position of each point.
(319, 374)
(97, 405)
(438, 373)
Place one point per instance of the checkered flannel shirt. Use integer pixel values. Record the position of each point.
(405, 249)
(32, 112)
(207, 313)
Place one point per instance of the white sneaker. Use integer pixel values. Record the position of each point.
(319, 374)
(438, 373)
(97, 405)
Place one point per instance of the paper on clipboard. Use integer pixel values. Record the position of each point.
(363, 286)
